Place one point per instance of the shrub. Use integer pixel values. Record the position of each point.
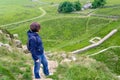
(65, 7)
(77, 6)
(98, 3)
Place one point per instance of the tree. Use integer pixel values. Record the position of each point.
(65, 7)
(77, 6)
(98, 3)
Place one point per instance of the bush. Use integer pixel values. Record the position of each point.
(77, 6)
(98, 3)
(65, 7)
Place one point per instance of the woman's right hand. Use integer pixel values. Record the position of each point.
(37, 60)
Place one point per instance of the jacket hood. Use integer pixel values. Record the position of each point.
(30, 33)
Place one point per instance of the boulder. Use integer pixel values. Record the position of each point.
(15, 36)
(1, 32)
(1, 44)
(18, 43)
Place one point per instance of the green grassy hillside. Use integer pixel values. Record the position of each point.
(14, 65)
(62, 32)
(66, 33)
(83, 71)
(17, 10)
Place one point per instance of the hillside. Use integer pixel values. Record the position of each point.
(62, 34)
(14, 63)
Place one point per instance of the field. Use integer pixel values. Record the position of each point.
(16, 10)
(67, 32)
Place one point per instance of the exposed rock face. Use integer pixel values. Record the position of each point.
(12, 42)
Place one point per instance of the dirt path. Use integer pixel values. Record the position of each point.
(52, 68)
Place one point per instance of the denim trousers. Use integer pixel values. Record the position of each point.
(43, 61)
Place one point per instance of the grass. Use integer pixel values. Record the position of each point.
(13, 64)
(109, 11)
(113, 2)
(111, 59)
(75, 71)
(4, 71)
(60, 32)
(17, 11)
(112, 41)
(64, 36)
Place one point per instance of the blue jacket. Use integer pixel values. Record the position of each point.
(35, 44)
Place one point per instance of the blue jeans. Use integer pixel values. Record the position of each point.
(43, 60)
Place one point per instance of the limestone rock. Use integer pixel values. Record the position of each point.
(18, 43)
(1, 32)
(65, 61)
(7, 35)
(25, 50)
(15, 36)
(1, 44)
(73, 58)
(63, 55)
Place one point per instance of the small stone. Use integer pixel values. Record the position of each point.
(65, 61)
(73, 58)
(18, 43)
(7, 35)
(63, 55)
(25, 50)
(15, 36)
(1, 32)
(1, 44)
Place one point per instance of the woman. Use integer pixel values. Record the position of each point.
(37, 50)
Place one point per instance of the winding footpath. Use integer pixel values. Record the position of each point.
(41, 9)
(111, 47)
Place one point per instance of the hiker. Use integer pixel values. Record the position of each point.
(35, 46)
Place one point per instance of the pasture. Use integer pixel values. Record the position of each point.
(66, 32)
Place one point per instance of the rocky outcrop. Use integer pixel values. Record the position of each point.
(11, 42)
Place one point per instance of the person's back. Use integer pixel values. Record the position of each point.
(39, 46)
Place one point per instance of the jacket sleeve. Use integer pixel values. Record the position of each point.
(32, 43)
